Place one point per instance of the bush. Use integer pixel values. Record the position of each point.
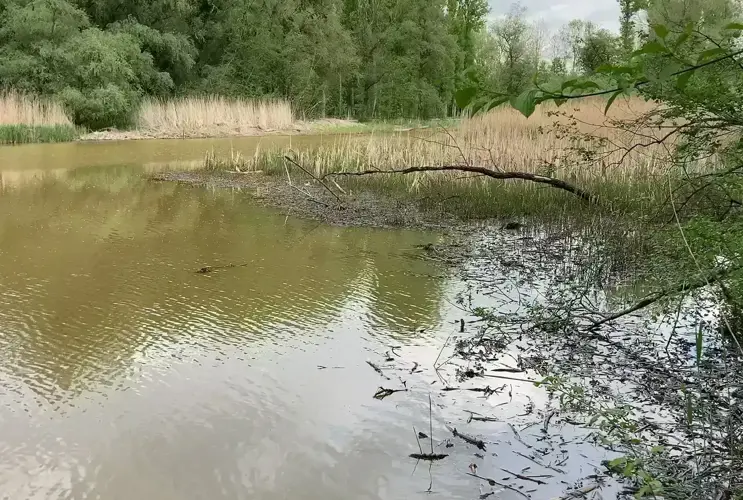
(103, 107)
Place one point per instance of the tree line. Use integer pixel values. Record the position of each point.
(361, 58)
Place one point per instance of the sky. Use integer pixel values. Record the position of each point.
(555, 13)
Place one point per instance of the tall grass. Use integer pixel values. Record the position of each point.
(547, 143)
(26, 118)
(212, 116)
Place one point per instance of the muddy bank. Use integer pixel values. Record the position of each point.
(298, 127)
(312, 200)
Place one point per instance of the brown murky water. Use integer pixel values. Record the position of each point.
(126, 375)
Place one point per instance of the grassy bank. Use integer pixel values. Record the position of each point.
(27, 119)
(579, 145)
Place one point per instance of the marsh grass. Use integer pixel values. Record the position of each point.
(26, 119)
(212, 116)
(579, 144)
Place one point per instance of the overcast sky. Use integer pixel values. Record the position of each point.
(555, 13)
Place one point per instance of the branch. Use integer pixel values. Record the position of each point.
(526, 176)
(705, 280)
(555, 95)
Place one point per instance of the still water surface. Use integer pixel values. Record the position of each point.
(127, 375)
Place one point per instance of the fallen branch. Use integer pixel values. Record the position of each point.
(705, 280)
(493, 482)
(295, 163)
(526, 176)
(468, 439)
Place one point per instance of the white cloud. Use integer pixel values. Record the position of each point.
(604, 13)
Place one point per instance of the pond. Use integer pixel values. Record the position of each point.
(127, 374)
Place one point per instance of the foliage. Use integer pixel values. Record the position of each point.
(23, 134)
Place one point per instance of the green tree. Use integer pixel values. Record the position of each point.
(599, 48)
(514, 38)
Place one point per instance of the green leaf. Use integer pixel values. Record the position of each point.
(525, 103)
(680, 40)
(711, 54)
(657, 449)
(700, 340)
(668, 71)
(683, 80)
(568, 84)
(612, 99)
(494, 103)
(661, 31)
(464, 96)
(734, 26)
(559, 102)
(652, 47)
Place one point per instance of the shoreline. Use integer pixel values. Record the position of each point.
(311, 200)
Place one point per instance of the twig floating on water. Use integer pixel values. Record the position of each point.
(493, 482)
(516, 433)
(431, 457)
(383, 393)
(377, 369)
(469, 439)
(539, 463)
(522, 477)
(581, 493)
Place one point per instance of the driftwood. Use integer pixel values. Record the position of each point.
(468, 439)
(495, 174)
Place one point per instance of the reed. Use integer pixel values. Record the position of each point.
(550, 142)
(26, 118)
(212, 117)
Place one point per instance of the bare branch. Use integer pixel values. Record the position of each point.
(526, 176)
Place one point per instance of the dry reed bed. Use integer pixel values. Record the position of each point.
(22, 109)
(503, 139)
(212, 116)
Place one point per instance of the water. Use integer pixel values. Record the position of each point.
(126, 374)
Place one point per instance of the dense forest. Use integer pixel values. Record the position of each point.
(360, 58)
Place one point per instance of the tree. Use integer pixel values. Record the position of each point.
(599, 48)
(466, 19)
(628, 11)
(514, 39)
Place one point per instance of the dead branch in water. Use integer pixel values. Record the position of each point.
(705, 280)
(431, 457)
(494, 174)
(377, 369)
(296, 164)
(468, 439)
(493, 482)
(383, 392)
(522, 477)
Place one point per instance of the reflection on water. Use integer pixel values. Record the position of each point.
(128, 375)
